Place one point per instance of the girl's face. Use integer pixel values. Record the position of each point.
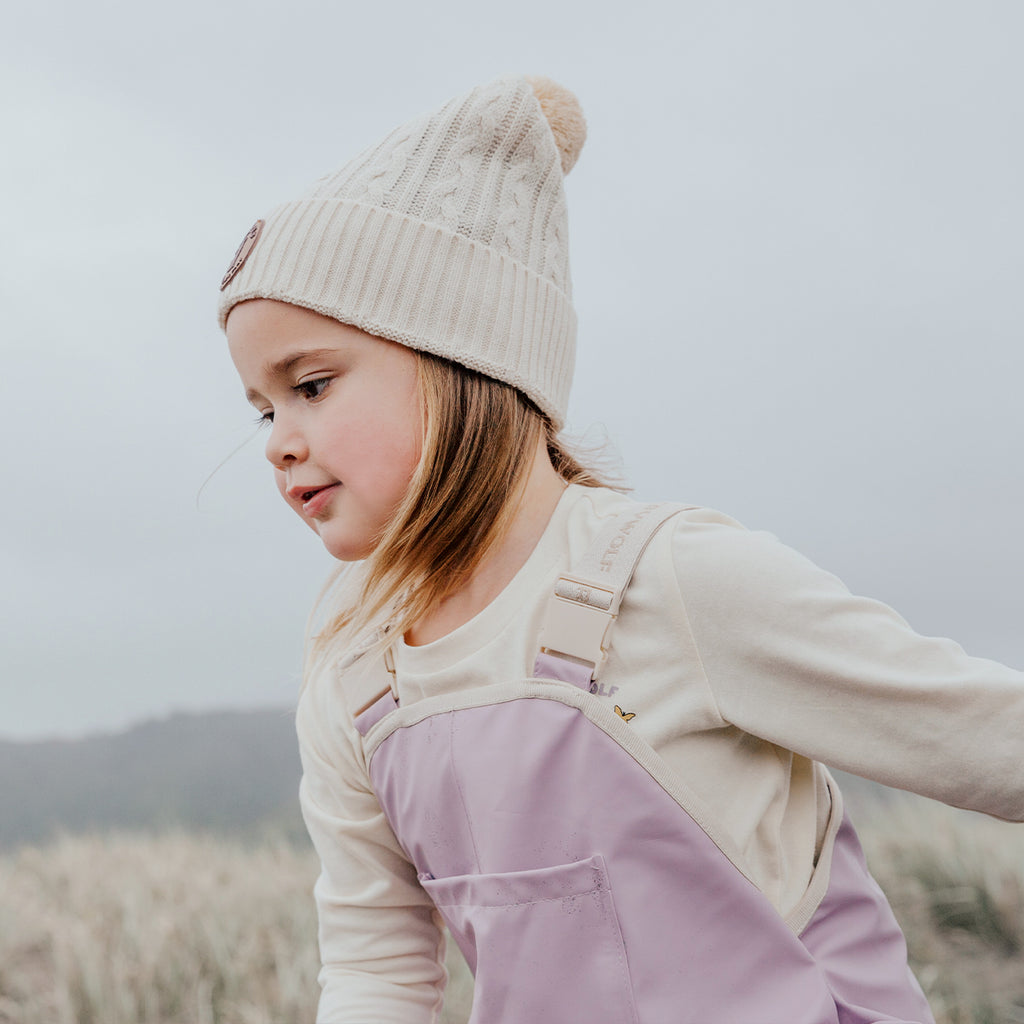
(344, 413)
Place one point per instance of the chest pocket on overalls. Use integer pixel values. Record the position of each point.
(543, 945)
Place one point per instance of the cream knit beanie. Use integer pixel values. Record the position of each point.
(449, 236)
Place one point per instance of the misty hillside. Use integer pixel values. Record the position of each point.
(231, 772)
(225, 771)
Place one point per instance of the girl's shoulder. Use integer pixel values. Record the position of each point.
(706, 554)
(692, 527)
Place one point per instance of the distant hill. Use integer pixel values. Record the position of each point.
(232, 772)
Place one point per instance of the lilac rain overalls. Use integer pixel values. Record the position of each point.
(582, 880)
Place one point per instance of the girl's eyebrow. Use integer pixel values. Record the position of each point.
(281, 368)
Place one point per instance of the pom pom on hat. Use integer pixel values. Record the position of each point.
(565, 115)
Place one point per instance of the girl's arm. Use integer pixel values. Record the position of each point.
(380, 945)
(791, 656)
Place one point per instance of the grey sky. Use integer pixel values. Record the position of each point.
(797, 246)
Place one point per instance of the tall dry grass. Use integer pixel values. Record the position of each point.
(181, 929)
(173, 929)
(956, 882)
(123, 929)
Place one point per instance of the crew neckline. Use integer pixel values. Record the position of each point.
(489, 621)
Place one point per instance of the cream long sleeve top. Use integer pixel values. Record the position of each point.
(742, 664)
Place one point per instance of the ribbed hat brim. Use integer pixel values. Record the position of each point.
(419, 284)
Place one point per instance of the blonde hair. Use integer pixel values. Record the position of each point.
(479, 440)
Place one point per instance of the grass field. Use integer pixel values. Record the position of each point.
(181, 929)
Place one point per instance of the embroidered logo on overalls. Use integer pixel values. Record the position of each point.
(621, 535)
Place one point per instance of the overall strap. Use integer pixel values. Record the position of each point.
(586, 599)
(576, 625)
(369, 684)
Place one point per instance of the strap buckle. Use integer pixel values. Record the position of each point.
(579, 617)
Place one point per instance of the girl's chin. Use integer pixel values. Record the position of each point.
(340, 545)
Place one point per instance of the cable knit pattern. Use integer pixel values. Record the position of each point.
(450, 236)
(384, 178)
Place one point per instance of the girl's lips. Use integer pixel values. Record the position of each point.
(319, 501)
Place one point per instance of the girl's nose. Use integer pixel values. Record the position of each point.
(285, 445)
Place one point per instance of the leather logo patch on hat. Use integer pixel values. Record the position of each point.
(242, 253)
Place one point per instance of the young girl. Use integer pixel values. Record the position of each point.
(584, 733)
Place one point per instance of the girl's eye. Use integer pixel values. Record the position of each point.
(312, 389)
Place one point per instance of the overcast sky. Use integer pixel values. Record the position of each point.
(797, 243)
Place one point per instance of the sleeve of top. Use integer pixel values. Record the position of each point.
(380, 944)
(792, 656)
